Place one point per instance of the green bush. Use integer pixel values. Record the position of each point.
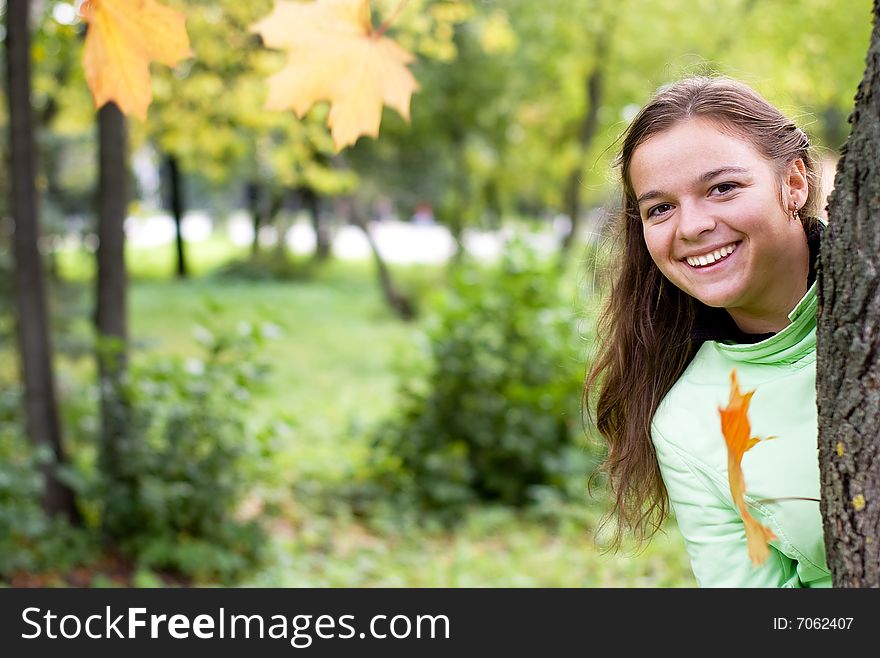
(495, 414)
(189, 461)
(185, 466)
(30, 541)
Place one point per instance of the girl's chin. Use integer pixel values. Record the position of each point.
(721, 293)
(715, 298)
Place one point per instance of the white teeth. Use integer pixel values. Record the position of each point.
(708, 259)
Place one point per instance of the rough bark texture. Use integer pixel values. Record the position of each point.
(41, 411)
(110, 317)
(177, 206)
(848, 378)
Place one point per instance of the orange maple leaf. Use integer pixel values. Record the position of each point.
(737, 432)
(122, 38)
(335, 55)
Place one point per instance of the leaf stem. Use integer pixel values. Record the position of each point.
(378, 32)
(776, 500)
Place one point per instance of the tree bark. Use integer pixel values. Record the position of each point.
(110, 317)
(41, 408)
(848, 373)
(177, 205)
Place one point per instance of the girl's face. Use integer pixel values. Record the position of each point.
(715, 224)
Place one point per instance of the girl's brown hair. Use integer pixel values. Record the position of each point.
(644, 332)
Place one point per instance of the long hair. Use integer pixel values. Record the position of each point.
(644, 331)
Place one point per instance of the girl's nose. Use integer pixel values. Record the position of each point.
(693, 221)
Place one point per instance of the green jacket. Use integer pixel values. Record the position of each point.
(686, 431)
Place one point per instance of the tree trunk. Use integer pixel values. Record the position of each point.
(848, 373)
(594, 87)
(176, 204)
(41, 409)
(112, 284)
(281, 223)
(322, 235)
(399, 303)
(255, 205)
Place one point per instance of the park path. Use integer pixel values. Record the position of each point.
(398, 241)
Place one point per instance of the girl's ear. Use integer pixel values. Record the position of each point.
(795, 188)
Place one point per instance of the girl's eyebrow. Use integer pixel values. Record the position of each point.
(709, 175)
(703, 178)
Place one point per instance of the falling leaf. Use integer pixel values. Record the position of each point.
(335, 55)
(123, 37)
(737, 432)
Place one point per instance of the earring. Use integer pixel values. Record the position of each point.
(795, 214)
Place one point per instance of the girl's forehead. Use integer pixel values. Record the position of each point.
(697, 133)
(688, 150)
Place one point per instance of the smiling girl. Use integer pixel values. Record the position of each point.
(715, 271)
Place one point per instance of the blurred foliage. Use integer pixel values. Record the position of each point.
(209, 112)
(189, 462)
(496, 131)
(495, 127)
(193, 478)
(29, 540)
(496, 414)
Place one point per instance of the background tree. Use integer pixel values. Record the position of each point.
(111, 317)
(848, 378)
(208, 117)
(41, 409)
(116, 61)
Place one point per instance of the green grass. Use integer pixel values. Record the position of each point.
(332, 378)
(493, 548)
(330, 364)
(155, 262)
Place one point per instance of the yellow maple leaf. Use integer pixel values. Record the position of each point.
(122, 38)
(737, 432)
(335, 55)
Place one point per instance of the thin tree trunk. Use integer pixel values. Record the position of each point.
(322, 236)
(112, 284)
(255, 205)
(451, 214)
(41, 409)
(281, 223)
(848, 372)
(594, 88)
(177, 205)
(398, 302)
(493, 205)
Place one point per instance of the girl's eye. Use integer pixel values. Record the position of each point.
(724, 188)
(658, 210)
